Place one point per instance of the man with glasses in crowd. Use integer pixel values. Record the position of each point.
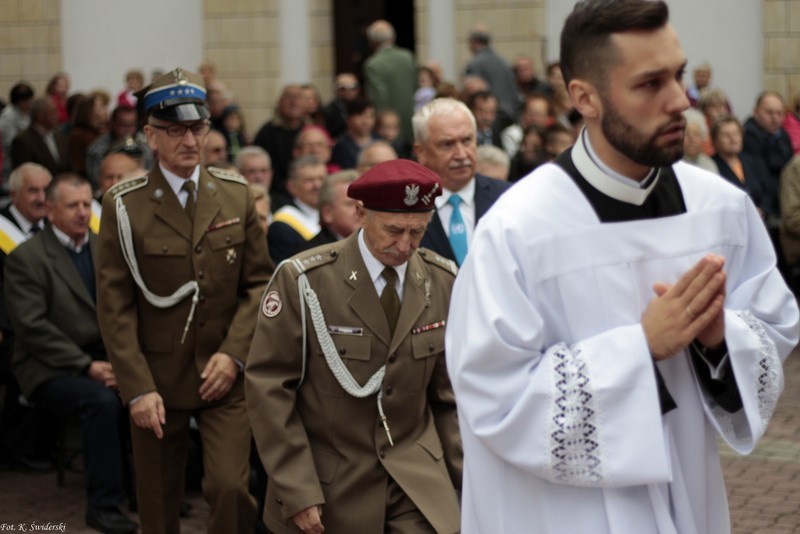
(182, 264)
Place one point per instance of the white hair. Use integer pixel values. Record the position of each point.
(437, 106)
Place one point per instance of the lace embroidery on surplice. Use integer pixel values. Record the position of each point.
(769, 380)
(575, 453)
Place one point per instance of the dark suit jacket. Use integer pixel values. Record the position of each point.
(487, 190)
(757, 181)
(52, 312)
(29, 146)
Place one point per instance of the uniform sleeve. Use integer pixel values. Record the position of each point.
(27, 298)
(254, 275)
(117, 310)
(561, 411)
(443, 405)
(761, 329)
(272, 376)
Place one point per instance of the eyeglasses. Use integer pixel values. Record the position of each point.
(198, 129)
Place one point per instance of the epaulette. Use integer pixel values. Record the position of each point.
(440, 261)
(225, 174)
(316, 257)
(126, 186)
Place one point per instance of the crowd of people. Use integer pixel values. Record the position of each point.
(166, 275)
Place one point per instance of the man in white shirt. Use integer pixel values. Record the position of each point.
(617, 313)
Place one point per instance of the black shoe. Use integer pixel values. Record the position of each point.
(110, 521)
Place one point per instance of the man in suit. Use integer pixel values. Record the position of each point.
(391, 75)
(24, 217)
(177, 299)
(487, 64)
(59, 357)
(385, 457)
(445, 136)
(42, 142)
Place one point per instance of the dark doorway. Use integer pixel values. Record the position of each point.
(350, 21)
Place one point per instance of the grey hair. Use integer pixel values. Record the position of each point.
(18, 175)
(438, 106)
(250, 151)
(327, 192)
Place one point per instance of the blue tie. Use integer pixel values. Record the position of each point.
(458, 230)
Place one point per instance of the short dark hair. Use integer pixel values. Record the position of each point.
(20, 93)
(72, 178)
(586, 48)
(121, 109)
(479, 96)
(721, 121)
(358, 105)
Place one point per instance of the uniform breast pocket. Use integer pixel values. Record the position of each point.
(164, 263)
(356, 356)
(426, 347)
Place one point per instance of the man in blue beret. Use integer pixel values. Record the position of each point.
(347, 390)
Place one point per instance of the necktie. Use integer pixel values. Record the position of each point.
(458, 230)
(35, 229)
(188, 186)
(389, 299)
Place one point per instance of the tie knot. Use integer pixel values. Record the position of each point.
(390, 275)
(455, 201)
(188, 186)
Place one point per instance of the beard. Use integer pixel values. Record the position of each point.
(633, 144)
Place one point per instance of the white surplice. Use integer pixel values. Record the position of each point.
(556, 391)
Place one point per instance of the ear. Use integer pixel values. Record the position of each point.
(150, 134)
(326, 214)
(419, 152)
(585, 98)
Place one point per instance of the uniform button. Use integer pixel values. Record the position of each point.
(198, 249)
(343, 351)
(202, 299)
(201, 322)
(382, 453)
(201, 275)
(333, 253)
(389, 390)
(164, 248)
(392, 358)
(430, 347)
(228, 239)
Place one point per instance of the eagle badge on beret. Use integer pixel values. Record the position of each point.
(412, 195)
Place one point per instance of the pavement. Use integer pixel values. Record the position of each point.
(763, 487)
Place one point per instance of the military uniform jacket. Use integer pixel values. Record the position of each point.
(224, 251)
(321, 445)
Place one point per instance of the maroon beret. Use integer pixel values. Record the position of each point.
(397, 185)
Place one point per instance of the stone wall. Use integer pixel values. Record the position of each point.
(782, 46)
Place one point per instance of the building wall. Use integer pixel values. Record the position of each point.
(30, 43)
(782, 46)
(241, 37)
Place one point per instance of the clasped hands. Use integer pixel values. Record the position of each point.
(692, 308)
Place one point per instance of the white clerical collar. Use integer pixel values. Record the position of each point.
(375, 267)
(67, 241)
(24, 224)
(176, 182)
(467, 194)
(608, 181)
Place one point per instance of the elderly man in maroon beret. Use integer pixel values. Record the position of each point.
(346, 384)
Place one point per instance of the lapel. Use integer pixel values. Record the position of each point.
(415, 299)
(363, 300)
(168, 209)
(436, 239)
(207, 205)
(65, 267)
(483, 197)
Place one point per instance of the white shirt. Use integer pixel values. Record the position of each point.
(67, 241)
(467, 208)
(176, 183)
(24, 223)
(375, 268)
